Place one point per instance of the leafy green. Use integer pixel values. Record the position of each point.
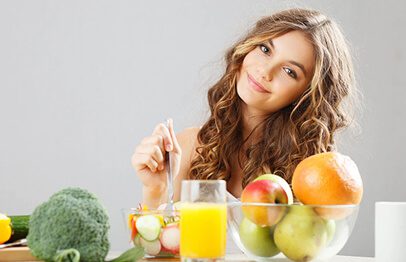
(72, 219)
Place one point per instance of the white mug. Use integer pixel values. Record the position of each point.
(390, 231)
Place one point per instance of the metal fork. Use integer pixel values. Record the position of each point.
(169, 204)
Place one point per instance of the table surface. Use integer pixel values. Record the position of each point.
(241, 258)
(24, 254)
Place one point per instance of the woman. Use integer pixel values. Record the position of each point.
(278, 102)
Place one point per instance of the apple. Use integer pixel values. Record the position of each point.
(264, 191)
(257, 240)
(281, 181)
(302, 234)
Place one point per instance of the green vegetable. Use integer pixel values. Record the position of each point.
(19, 225)
(149, 227)
(74, 219)
(72, 255)
(131, 255)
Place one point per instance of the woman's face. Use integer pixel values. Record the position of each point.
(276, 73)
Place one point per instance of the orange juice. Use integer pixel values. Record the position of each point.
(203, 230)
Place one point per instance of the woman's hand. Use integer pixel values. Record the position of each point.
(148, 159)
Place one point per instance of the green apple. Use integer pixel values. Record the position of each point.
(302, 234)
(257, 240)
(280, 181)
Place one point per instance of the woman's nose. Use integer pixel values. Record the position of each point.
(266, 72)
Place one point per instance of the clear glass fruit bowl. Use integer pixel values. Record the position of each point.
(157, 231)
(266, 232)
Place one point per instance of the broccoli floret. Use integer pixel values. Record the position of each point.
(72, 218)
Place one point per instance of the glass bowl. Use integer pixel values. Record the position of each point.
(266, 232)
(157, 231)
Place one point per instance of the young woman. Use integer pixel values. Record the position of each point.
(278, 102)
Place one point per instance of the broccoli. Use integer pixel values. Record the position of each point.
(71, 222)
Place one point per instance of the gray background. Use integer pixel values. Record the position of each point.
(82, 82)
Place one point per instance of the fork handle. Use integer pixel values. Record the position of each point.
(169, 172)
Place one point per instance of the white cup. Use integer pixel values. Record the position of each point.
(390, 231)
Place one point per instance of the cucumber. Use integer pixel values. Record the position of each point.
(151, 248)
(149, 227)
(19, 225)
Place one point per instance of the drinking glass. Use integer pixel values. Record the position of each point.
(203, 220)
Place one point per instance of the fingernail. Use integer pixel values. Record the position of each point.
(168, 147)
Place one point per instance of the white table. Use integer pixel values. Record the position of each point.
(241, 258)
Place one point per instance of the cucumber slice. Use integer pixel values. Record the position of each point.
(151, 248)
(149, 227)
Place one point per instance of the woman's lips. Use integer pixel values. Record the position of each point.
(255, 85)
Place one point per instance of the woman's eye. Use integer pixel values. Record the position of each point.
(290, 72)
(264, 48)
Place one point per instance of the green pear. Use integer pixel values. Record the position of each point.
(257, 240)
(331, 229)
(302, 234)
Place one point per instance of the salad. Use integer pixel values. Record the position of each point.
(157, 231)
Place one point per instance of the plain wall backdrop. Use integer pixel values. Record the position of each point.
(82, 82)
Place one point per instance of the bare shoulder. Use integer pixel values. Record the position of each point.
(187, 139)
(188, 135)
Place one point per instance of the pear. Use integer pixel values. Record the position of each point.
(302, 234)
(331, 229)
(257, 240)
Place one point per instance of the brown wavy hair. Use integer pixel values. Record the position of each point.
(304, 128)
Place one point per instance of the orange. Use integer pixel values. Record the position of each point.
(328, 179)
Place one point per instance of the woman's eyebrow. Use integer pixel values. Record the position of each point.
(298, 65)
(290, 61)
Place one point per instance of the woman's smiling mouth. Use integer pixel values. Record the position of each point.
(255, 85)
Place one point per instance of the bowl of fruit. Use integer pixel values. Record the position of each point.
(298, 232)
(269, 223)
(157, 231)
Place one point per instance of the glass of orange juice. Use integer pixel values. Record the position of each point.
(203, 220)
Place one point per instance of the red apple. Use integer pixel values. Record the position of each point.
(281, 181)
(264, 191)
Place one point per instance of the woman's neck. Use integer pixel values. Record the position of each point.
(251, 119)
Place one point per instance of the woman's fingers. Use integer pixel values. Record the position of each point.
(141, 161)
(176, 146)
(154, 140)
(154, 151)
(150, 153)
(162, 130)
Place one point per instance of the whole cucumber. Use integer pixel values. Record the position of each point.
(19, 225)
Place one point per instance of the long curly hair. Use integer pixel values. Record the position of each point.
(301, 129)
